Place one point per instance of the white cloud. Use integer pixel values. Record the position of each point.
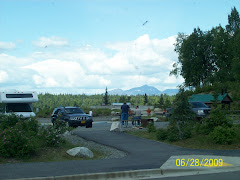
(50, 41)
(3, 76)
(124, 65)
(56, 73)
(7, 45)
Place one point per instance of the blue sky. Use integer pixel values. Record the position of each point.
(82, 46)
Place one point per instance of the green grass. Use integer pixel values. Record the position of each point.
(196, 142)
(50, 154)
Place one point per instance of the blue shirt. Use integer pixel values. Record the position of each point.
(125, 108)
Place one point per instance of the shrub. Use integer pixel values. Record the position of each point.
(162, 134)
(151, 128)
(16, 142)
(49, 136)
(201, 129)
(216, 118)
(102, 112)
(44, 113)
(9, 120)
(61, 126)
(223, 135)
(172, 134)
(187, 132)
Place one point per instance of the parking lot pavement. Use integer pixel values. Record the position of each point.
(142, 154)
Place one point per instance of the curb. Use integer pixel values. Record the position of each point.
(136, 174)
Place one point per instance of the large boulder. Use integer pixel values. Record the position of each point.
(81, 152)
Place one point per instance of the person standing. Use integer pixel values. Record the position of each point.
(137, 117)
(149, 111)
(124, 114)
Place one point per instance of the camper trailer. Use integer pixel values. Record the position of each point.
(18, 102)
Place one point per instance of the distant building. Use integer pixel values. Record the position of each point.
(119, 104)
(208, 99)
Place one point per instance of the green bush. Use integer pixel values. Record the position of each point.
(201, 129)
(162, 134)
(9, 120)
(102, 112)
(187, 132)
(17, 141)
(151, 128)
(172, 134)
(216, 118)
(44, 113)
(223, 135)
(61, 126)
(49, 136)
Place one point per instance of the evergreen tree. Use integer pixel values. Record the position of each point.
(182, 114)
(105, 98)
(233, 22)
(161, 102)
(145, 99)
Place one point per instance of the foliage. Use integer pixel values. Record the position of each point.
(151, 128)
(172, 133)
(162, 134)
(19, 140)
(210, 57)
(9, 120)
(44, 113)
(216, 118)
(145, 99)
(49, 136)
(22, 137)
(161, 102)
(47, 102)
(105, 98)
(61, 126)
(102, 112)
(182, 114)
(223, 135)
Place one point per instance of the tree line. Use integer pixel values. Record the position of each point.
(209, 57)
(50, 101)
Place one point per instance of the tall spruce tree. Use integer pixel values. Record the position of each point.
(105, 98)
(145, 99)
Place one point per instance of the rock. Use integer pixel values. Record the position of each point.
(155, 119)
(115, 119)
(81, 152)
(115, 126)
(113, 113)
(67, 133)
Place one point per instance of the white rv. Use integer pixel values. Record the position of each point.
(18, 102)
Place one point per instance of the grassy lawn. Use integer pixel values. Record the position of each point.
(196, 142)
(49, 154)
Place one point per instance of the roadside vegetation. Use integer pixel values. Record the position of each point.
(216, 131)
(47, 102)
(24, 140)
(209, 62)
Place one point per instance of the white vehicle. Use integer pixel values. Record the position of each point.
(18, 102)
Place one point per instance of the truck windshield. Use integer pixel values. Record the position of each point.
(73, 111)
(18, 107)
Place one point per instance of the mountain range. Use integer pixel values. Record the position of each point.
(149, 90)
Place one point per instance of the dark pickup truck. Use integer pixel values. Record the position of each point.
(200, 109)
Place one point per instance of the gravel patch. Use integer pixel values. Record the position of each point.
(107, 152)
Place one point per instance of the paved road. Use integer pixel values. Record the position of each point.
(142, 154)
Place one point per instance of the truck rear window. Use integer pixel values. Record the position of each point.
(18, 107)
(19, 95)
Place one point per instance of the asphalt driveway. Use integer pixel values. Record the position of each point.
(142, 154)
